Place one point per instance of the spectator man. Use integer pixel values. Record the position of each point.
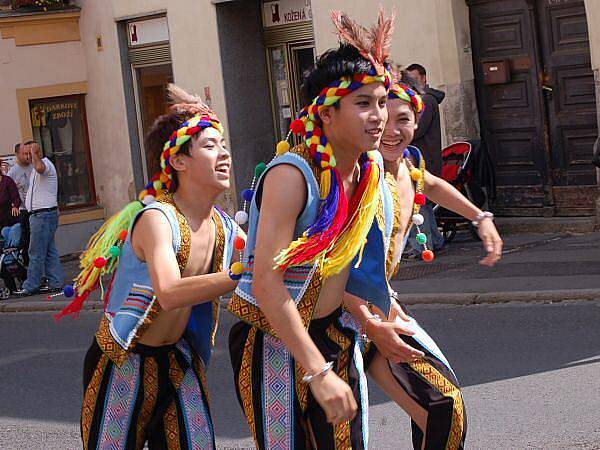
(41, 202)
(21, 173)
(428, 139)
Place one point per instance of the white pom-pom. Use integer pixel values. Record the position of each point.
(148, 199)
(241, 217)
(418, 219)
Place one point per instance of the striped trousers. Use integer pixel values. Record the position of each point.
(157, 396)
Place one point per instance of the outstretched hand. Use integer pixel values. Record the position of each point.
(492, 242)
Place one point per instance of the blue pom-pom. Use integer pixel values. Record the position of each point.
(247, 194)
(68, 291)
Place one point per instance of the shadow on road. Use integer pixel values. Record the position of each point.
(40, 360)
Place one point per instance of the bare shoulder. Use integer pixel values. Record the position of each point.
(151, 228)
(284, 185)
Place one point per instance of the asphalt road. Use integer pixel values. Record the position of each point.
(530, 372)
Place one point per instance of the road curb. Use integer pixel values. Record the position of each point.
(469, 298)
(474, 298)
(45, 306)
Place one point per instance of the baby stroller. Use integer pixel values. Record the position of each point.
(466, 166)
(12, 265)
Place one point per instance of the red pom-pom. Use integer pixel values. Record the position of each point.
(123, 235)
(420, 199)
(239, 243)
(297, 126)
(428, 256)
(99, 262)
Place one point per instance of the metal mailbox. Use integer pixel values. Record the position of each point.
(496, 72)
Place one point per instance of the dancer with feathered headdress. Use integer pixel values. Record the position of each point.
(169, 255)
(297, 367)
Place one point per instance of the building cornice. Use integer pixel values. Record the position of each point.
(41, 27)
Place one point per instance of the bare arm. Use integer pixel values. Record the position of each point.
(152, 236)
(446, 195)
(282, 201)
(36, 158)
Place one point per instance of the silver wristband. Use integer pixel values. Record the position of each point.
(482, 216)
(307, 379)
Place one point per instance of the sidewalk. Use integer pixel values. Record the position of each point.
(535, 267)
(41, 302)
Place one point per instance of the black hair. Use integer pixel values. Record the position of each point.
(417, 67)
(17, 147)
(332, 65)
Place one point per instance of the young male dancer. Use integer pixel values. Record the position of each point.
(409, 367)
(144, 372)
(297, 366)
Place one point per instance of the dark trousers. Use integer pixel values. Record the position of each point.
(25, 233)
(280, 410)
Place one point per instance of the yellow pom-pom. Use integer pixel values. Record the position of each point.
(415, 174)
(237, 268)
(283, 147)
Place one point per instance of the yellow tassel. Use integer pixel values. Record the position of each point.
(353, 237)
(325, 183)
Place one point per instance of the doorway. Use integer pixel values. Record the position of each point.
(538, 110)
(288, 62)
(150, 85)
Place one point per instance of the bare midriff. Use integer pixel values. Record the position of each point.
(332, 292)
(167, 327)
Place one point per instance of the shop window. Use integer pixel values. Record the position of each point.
(60, 127)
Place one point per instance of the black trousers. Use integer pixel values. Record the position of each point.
(25, 233)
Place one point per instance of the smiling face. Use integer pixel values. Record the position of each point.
(399, 130)
(208, 164)
(358, 121)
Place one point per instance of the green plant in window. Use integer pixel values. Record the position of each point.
(38, 4)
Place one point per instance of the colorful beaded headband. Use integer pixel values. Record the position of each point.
(406, 93)
(162, 180)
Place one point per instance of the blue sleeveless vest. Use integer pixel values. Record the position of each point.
(132, 304)
(303, 282)
(369, 281)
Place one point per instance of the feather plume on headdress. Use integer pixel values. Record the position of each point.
(183, 100)
(374, 43)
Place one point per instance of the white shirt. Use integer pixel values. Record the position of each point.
(21, 176)
(43, 188)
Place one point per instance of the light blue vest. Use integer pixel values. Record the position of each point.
(132, 302)
(303, 282)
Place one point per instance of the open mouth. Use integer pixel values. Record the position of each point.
(391, 143)
(375, 132)
(222, 168)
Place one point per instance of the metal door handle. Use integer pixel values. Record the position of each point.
(547, 88)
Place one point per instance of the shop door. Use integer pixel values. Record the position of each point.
(152, 101)
(539, 120)
(287, 65)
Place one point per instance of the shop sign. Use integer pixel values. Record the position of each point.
(286, 12)
(41, 114)
(148, 31)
